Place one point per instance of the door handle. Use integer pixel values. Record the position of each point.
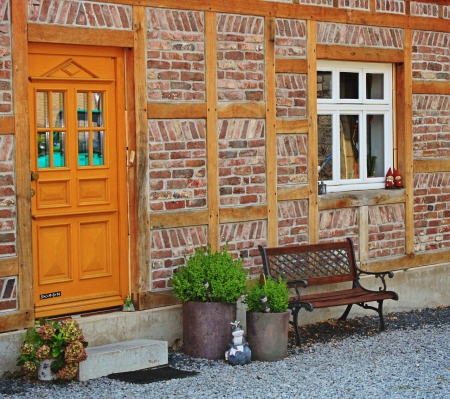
(34, 176)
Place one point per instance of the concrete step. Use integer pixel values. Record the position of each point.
(122, 356)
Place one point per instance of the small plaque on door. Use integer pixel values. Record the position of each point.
(51, 295)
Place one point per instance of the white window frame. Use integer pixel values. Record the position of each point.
(361, 107)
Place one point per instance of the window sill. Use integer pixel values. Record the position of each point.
(355, 199)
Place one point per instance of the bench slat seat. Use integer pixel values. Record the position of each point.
(304, 266)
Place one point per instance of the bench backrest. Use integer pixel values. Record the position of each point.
(317, 263)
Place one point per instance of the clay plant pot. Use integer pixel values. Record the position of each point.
(44, 372)
(267, 335)
(207, 329)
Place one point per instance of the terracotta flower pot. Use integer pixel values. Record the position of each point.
(267, 335)
(207, 329)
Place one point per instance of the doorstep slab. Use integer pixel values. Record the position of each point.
(122, 356)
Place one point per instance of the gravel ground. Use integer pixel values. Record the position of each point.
(336, 360)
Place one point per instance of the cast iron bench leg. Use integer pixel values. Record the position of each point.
(295, 322)
(345, 314)
(380, 312)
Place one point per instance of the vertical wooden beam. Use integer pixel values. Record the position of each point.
(142, 189)
(271, 134)
(22, 158)
(405, 143)
(313, 208)
(212, 136)
(363, 221)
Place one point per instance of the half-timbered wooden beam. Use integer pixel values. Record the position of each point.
(7, 125)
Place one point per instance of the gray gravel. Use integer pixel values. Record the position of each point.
(410, 360)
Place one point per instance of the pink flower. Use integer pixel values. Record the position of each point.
(46, 331)
(68, 372)
(43, 352)
(75, 352)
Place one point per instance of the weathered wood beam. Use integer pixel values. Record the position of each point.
(292, 193)
(7, 125)
(354, 199)
(241, 110)
(245, 214)
(179, 219)
(430, 87)
(363, 54)
(292, 126)
(431, 165)
(288, 65)
(182, 110)
(9, 267)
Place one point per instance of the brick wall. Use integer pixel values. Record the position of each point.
(291, 92)
(386, 230)
(391, 6)
(431, 127)
(292, 222)
(168, 249)
(315, 2)
(446, 12)
(177, 166)
(292, 160)
(424, 9)
(243, 239)
(5, 59)
(240, 58)
(8, 293)
(431, 211)
(290, 38)
(175, 55)
(356, 35)
(242, 162)
(431, 55)
(357, 4)
(86, 14)
(7, 197)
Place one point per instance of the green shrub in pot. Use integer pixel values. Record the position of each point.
(276, 292)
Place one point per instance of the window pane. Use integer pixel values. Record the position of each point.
(43, 143)
(58, 110)
(375, 145)
(83, 148)
(42, 116)
(59, 149)
(97, 109)
(349, 144)
(82, 109)
(349, 85)
(375, 86)
(98, 147)
(324, 86)
(325, 131)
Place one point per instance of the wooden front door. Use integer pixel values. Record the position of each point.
(78, 163)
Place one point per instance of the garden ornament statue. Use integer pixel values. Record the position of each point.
(238, 352)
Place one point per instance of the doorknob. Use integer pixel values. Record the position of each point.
(34, 176)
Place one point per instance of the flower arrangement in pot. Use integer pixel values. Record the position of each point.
(52, 350)
(209, 284)
(268, 319)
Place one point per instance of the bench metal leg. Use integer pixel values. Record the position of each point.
(295, 323)
(347, 311)
(379, 310)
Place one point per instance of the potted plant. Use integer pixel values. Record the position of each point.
(52, 350)
(209, 284)
(268, 319)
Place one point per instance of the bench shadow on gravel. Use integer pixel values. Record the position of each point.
(336, 330)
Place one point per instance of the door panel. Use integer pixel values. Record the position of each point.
(79, 218)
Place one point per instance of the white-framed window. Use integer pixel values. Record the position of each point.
(355, 124)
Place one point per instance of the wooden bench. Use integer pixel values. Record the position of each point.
(321, 264)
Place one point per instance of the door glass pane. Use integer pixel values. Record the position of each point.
(324, 86)
(98, 148)
(42, 112)
(59, 149)
(58, 110)
(43, 144)
(58, 117)
(97, 109)
(349, 145)
(325, 130)
(83, 148)
(375, 86)
(82, 109)
(349, 85)
(375, 145)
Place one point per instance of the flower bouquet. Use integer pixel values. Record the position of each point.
(60, 340)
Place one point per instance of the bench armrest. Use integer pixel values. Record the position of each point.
(380, 275)
(294, 284)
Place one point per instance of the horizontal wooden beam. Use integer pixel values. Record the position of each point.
(406, 261)
(430, 87)
(152, 300)
(246, 214)
(178, 219)
(7, 125)
(156, 110)
(10, 321)
(287, 126)
(431, 165)
(241, 110)
(353, 199)
(364, 54)
(9, 267)
(288, 193)
(93, 37)
(288, 65)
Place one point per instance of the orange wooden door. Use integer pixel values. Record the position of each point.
(79, 205)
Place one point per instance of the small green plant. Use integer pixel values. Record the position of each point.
(225, 275)
(277, 294)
